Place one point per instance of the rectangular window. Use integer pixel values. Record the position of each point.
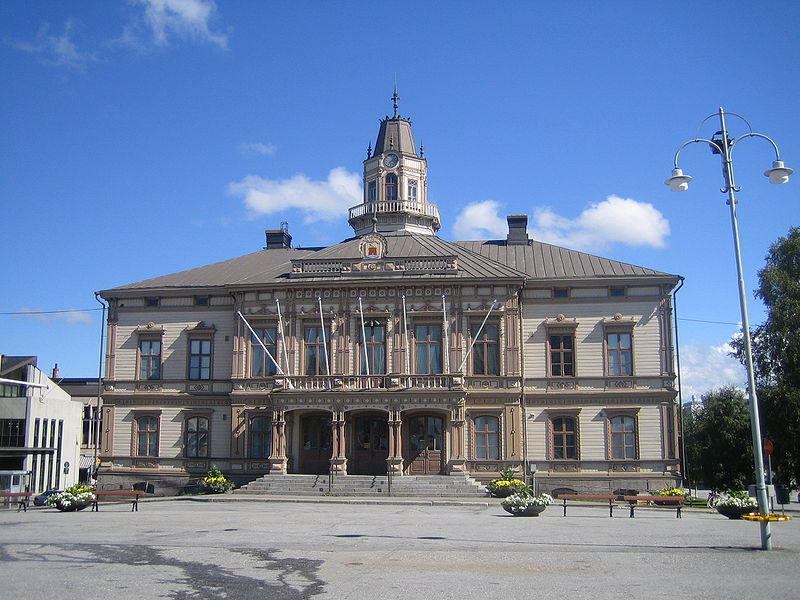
(616, 291)
(428, 349)
(149, 359)
(623, 437)
(619, 354)
(564, 438)
(199, 359)
(260, 364)
(196, 437)
(260, 437)
(486, 350)
(561, 293)
(371, 192)
(412, 190)
(201, 300)
(90, 427)
(487, 438)
(316, 343)
(146, 436)
(375, 348)
(151, 301)
(12, 433)
(562, 354)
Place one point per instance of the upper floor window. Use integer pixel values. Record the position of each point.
(196, 437)
(151, 301)
(201, 300)
(623, 437)
(560, 292)
(487, 438)
(562, 354)
(146, 436)
(260, 437)
(391, 187)
(412, 190)
(619, 353)
(316, 346)
(92, 423)
(371, 191)
(149, 358)
(428, 349)
(616, 290)
(486, 350)
(375, 357)
(261, 365)
(199, 359)
(564, 438)
(12, 433)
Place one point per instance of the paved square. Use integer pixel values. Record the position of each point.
(284, 550)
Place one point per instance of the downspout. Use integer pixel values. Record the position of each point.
(682, 443)
(524, 444)
(96, 418)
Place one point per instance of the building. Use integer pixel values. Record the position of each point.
(85, 391)
(39, 429)
(395, 351)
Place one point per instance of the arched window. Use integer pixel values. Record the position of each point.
(623, 437)
(196, 437)
(487, 438)
(564, 440)
(260, 437)
(391, 187)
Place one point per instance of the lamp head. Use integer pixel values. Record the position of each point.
(778, 173)
(678, 182)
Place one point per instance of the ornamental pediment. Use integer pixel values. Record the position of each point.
(371, 267)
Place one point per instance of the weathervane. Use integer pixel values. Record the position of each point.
(395, 98)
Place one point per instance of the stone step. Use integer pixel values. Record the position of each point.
(365, 485)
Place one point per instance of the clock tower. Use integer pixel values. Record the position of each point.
(395, 184)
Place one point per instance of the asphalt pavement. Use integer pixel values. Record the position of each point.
(291, 548)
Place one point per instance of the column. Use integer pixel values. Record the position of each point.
(278, 462)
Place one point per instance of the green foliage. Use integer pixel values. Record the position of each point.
(718, 440)
(215, 482)
(780, 420)
(502, 488)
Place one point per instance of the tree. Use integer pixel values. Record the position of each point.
(776, 354)
(718, 443)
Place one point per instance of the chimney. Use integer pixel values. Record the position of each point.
(56, 373)
(517, 230)
(278, 238)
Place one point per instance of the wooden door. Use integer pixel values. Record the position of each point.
(315, 451)
(370, 435)
(425, 435)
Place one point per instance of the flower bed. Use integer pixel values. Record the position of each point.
(525, 505)
(734, 504)
(215, 482)
(72, 499)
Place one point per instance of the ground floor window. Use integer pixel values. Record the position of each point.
(487, 437)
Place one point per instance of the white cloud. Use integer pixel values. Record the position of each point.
(68, 317)
(317, 200)
(704, 368)
(258, 148)
(56, 50)
(480, 221)
(615, 220)
(183, 19)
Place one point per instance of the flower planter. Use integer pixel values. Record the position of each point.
(735, 512)
(528, 511)
(72, 506)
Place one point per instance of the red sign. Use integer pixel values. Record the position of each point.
(769, 447)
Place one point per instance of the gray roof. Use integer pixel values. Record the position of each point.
(493, 259)
(395, 134)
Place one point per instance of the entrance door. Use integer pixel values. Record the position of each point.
(425, 445)
(370, 446)
(315, 452)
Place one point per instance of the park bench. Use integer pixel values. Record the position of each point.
(589, 500)
(131, 496)
(656, 502)
(21, 499)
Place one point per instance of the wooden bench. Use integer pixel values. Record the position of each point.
(22, 499)
(659, 502)
(131, 496)
(584, 500)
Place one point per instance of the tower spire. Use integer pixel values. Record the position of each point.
(395, 98)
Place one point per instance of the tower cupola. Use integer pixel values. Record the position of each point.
(395, 183)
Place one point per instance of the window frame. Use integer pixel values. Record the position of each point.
(428, 344)
(561, 352)
(267, 435)
(199, 417)
(619, 353)
(209, 356)
(268, 368)
(554, 433)
(141, 358)
(487, 346)
(391, 182)
(137, 431)
(477, 434)
(319, 344)
(622, 412)
(369, 328)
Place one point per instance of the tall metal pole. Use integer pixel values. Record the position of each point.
(755, 426)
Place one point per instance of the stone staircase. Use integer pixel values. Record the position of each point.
(427, 486)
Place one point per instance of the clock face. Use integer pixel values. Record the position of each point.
(391, 160)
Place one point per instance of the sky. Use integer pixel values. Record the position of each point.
(146, 137)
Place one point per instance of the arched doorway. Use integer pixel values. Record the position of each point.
(316, 443)
(369, 434)
(424, 445)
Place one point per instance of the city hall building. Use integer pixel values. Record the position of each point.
(395, 352)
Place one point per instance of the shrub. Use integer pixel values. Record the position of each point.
(215, 482)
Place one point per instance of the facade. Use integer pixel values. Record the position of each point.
(84, 391)
(39, 428)
(396, 352)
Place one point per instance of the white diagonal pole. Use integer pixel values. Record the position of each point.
(446, 362)
(255, 335)
(283, 336)
(405, 335)
(474, 339)
(324, 342)
(363, 336)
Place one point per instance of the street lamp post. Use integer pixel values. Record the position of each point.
(721, 144)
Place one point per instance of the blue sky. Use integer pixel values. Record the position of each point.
(150, 136)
